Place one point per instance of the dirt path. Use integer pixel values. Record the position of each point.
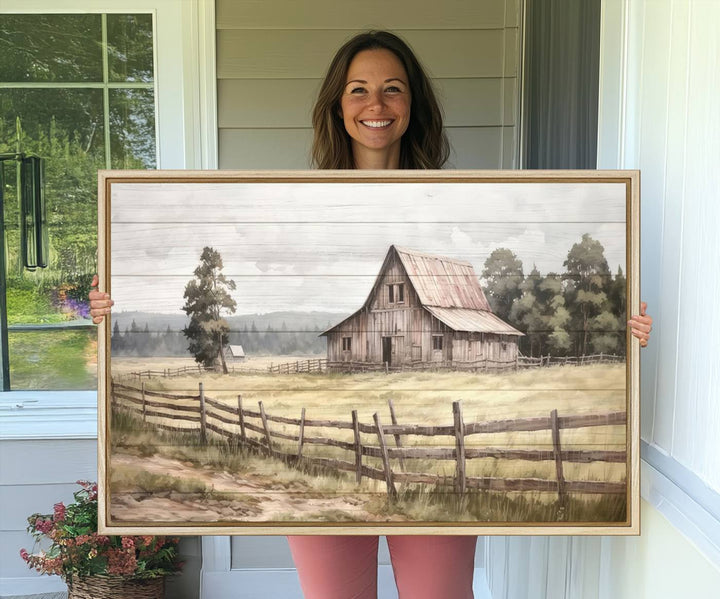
(228, 497)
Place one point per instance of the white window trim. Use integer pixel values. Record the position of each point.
(186, 113)
(186, 124)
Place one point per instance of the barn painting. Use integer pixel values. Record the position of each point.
(423, 310)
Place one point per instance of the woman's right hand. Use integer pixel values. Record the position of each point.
(100, 302)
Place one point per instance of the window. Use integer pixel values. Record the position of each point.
(396, 293)
(346, 343)
(437, 342)
(77, 90)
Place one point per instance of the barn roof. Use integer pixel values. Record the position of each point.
(443, 282)
(236, 351)
(473, 321)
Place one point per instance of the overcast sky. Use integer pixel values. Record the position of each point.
(319, 246)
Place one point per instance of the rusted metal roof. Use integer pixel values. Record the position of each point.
(443, 282)
(473, 321)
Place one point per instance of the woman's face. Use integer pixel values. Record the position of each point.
(375, 106)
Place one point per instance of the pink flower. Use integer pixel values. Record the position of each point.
(121, 562)
(128, 543)
(59, 512)
(43, 526)
(24, 555)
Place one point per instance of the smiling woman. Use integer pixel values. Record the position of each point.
(375, 108)
(375, 78)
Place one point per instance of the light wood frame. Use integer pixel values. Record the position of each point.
(108, 180)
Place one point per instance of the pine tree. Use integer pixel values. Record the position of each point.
(207, 299)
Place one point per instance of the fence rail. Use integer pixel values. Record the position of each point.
(211, 414)
(323, 365)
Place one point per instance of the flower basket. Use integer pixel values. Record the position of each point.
(116, 587)
(97, 566)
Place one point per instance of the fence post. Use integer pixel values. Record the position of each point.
(459, 446)
(243, 438)
(203, 416)
(387, 369)
(265, 426)
(144, 407)
(392, 492)
(301, 435)
(358, 446)
(558, 456)
(398, 441)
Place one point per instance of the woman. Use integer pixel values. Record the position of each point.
(377, 110)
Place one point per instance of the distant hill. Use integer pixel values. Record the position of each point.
(287, 333)
(293, 321)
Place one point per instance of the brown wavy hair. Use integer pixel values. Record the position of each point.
(423, 146)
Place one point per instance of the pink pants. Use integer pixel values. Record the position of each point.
(345, 567)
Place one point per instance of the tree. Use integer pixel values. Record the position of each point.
(503, 274)
(526, 314)
(206, 299)
(588, 274)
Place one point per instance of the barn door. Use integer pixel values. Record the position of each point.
(387, 350)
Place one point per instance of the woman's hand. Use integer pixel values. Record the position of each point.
(641, 325)
(100, 303)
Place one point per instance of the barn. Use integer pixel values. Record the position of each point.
(423, 310)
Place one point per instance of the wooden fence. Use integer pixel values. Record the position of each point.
(209, 415)
(317, 365)
(322, 365)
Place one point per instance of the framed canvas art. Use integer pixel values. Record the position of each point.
(366, 352)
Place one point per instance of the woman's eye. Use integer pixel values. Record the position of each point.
(357, 90)
(393, 89)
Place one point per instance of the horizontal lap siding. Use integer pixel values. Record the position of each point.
(271, 59)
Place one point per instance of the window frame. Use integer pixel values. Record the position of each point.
(439, 340)
(186, 138)
(347, 341)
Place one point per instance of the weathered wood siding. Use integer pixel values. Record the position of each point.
(272, 56)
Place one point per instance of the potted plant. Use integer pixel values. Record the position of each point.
(96, 566)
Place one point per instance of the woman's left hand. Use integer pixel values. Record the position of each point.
(641, 325)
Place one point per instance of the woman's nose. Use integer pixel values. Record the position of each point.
(375, 99)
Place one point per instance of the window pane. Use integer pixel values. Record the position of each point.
(53, 359)
(50, 48)
(130, 47)
(57, 116)
(66, 127)
(132, 128)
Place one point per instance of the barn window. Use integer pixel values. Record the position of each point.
(347, 343)
(437, 342)
(396, 293)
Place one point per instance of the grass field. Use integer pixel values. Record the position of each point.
(418, 398)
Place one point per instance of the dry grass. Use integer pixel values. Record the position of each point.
(423, 398)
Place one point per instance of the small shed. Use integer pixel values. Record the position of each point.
(234, 353)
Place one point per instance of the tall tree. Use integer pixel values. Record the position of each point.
(588, 274)
(207, 298)
(503, 275)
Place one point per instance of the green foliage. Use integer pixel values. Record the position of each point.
(207, 299)
(503, 275)
(53, 359)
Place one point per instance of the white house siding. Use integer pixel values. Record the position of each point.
(272, 56)
(660, 80)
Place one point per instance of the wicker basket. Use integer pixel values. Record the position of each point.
(116, 587)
